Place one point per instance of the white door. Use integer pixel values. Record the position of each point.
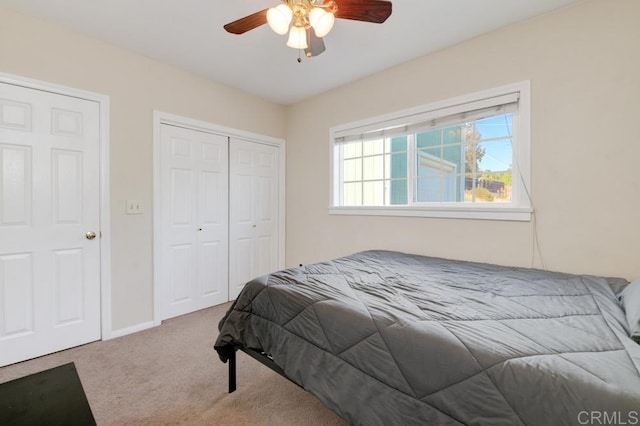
(194, 215)
(49, 201)
(254, 212)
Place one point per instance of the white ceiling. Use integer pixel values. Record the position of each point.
(189, 35)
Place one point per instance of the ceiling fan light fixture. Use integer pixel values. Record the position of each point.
(279, 18)
(297, 38)
(321, 20)
(308, 21)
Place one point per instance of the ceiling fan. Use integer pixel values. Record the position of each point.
(308, 21)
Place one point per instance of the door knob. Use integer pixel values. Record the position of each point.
(90, 235)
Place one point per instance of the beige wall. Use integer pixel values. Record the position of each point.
(136, 86)
(584, 67)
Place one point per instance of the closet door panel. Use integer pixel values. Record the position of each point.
(253, 224)
(194, 220)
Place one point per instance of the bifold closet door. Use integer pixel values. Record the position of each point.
(194, 173)
(254, 212)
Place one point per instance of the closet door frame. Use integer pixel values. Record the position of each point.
(160, 118)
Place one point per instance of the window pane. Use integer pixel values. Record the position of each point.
(472, 150)
(427, 165)
(375, 147)
(431, 162)
(367, 179)
(431, 152)
(373, 193)
(444, 144)
(496, 156)
(444, 156)
(470, 183)
(398, 193)
(353, 170)
(496, 127)
(428, 189)
(489, 188)
(398, 165)
(352, 149)
(452, 135)
(373, 167)
(450, 188)
(387, 166)
(399, 144)
(497, 184)
(353, 194)
(429, 139)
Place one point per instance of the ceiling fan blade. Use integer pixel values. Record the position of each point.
(247, 23)
(315, 43)
(376, 11)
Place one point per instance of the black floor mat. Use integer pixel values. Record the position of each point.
(50, 397)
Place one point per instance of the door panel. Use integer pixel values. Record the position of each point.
(208, 265)
(254, 227)
(181, 266)
(209, 198)
(265, 199)
(66, 186)
(242, 264)
(67, 277)
(181, 187)
(14, 114)
(194, 240)
(15, 185)
(16, 290)
(243, 193)
(49, 198)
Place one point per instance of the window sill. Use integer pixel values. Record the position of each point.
(518, 214)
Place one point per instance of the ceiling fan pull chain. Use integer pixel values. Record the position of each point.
(299, 58)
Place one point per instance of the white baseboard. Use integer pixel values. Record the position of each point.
(130, 330)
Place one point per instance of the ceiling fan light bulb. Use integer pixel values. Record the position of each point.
(297, 38)
(321, 20)
(315, 14)
(279, 18)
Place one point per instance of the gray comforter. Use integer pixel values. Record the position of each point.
(385, 338)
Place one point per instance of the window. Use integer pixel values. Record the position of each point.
(467, 158)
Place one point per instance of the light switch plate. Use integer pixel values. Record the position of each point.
(134, 207)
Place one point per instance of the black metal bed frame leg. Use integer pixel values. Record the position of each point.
(232, 372)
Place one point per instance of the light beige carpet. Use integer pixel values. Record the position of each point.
(171, 375)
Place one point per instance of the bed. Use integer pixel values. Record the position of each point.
(387, 338)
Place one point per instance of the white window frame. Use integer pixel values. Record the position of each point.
(519, 209)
